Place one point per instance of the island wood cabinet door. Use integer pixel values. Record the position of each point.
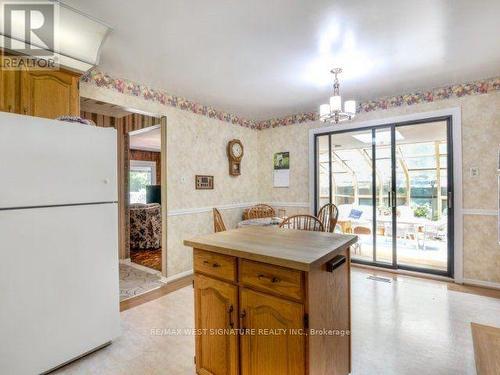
(49, 94)
(276, 345)
(216, 308)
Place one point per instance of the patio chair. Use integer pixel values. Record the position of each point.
(403, 231)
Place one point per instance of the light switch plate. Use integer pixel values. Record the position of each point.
(474, 172)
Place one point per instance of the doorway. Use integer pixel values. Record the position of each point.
(144, 193)
(393, 187)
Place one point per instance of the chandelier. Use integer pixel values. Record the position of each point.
(333, 112)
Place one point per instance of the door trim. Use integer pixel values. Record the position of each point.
(455, 115)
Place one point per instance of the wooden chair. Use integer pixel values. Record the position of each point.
(362, 230)
(219, 225)
(328, 215)
(356, 248)
(303, 222)
(261, 211)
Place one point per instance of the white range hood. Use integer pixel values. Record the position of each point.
(78, 37)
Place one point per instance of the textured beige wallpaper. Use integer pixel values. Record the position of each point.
(196, 145)
(481, 249)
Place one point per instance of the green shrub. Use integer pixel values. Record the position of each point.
(422, 210)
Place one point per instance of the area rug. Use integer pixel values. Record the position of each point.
(147, 258)
(134, 282)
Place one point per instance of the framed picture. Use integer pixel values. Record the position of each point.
(204, 182)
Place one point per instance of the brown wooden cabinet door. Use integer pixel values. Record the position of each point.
(216, 308)
(49, 94)
(9, 88)
(271, 353)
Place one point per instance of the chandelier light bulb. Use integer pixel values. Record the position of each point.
(324, 110)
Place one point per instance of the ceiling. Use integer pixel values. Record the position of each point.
(148, 139)
(262, 59)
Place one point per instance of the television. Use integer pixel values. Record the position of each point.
(153, 194)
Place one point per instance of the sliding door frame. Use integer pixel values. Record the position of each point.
(454, 178)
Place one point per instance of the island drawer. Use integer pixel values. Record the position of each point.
(218, 265)
(267, 277)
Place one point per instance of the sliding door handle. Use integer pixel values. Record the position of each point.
(391, 197)
(450, 199)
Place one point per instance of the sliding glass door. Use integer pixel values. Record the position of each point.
(392, 186)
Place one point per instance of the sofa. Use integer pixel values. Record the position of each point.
(145, 226)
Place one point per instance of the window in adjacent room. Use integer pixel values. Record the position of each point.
(142, 174)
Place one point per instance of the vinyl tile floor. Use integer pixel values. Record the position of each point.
(405, 327)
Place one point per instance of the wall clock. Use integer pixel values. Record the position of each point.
(235, 154)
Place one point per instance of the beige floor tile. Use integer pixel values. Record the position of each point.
(406, 327)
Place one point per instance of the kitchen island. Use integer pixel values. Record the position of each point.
(272, 301)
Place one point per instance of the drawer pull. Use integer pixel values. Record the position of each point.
(272, 279)
(214, 265)
(335, 263)
(230, 312)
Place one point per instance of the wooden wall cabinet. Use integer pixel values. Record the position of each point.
(41, 93)
(251, 297)
(10, 82)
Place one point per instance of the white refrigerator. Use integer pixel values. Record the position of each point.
(59, 292)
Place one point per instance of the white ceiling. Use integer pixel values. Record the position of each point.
(148, 139)
(262, 59)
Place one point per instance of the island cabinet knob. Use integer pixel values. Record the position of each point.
(214, 265)
(272, 279)
(335, 263)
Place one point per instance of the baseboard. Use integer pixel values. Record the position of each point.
(484, 284)
(177, 276)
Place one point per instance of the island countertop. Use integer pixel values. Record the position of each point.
(297, 249)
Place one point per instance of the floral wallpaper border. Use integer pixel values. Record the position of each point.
(441, 93)
(127, 87)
